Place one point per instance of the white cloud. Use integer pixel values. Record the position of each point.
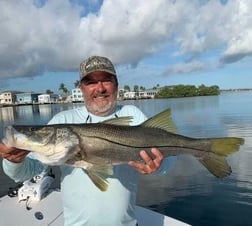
(54, 37)
(239, 44)
(185, 68)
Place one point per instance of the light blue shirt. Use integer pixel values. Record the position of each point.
(84, 203)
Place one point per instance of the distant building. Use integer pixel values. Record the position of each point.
(27, 98)
(44, 99)
(144, 94)
(77, 95)
(130, 95)
(6, 98)
(120, 94)
(148, 93)
(48, 98)
(54, 98)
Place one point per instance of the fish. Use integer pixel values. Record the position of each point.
(97, 147)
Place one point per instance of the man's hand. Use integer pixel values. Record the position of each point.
(150, 165)
(12, 154)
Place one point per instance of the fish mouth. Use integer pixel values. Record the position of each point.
(9, 136)
(13, 138)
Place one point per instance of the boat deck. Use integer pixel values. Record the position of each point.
(49, 211)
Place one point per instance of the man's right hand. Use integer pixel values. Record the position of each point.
(12, 154)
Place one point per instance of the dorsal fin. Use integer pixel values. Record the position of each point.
(162, 120)
(121, 121)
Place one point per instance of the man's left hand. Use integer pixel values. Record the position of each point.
(151, 165)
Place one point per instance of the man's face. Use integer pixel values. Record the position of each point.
(100, 92)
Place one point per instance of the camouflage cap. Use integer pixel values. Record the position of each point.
(96, 63)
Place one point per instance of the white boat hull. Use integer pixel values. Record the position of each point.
(50, 212)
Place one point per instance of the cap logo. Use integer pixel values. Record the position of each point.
(96, 63)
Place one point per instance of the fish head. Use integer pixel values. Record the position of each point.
(29, 137)
(51, 144)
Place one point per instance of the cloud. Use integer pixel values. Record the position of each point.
(186, 68)
(56, 35)
(238, 48)
(36, 39)
(239, 43)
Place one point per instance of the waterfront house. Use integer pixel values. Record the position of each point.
(54, 98)
(77, 95)
(129, 95)
(6, 98)
(27, 98)
(44, 99)
(143, 94)
(148, 93)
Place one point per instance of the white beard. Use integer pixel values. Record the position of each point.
(102, 108)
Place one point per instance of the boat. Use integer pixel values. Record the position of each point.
(36, 204)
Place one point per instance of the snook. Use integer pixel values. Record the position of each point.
(96, 147)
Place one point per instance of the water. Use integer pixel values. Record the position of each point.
(188, 192)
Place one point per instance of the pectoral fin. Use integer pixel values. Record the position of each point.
(97, 175)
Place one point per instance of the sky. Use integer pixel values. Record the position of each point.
(164, 42)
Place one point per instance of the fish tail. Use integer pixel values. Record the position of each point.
(215, 161)
(225, 146)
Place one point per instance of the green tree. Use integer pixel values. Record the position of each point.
(202, 90)
(142, 88)
(215, 90)
(48, 91)
(126, 88)
(64, 90)
(165, 92)
(187, 91)
(136, 88)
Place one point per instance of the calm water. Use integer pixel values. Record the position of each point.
(188, 192)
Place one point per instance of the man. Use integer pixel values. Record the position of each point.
(84, 203)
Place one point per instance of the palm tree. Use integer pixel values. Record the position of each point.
(136, 90)
(64, 90)
(62, 87)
